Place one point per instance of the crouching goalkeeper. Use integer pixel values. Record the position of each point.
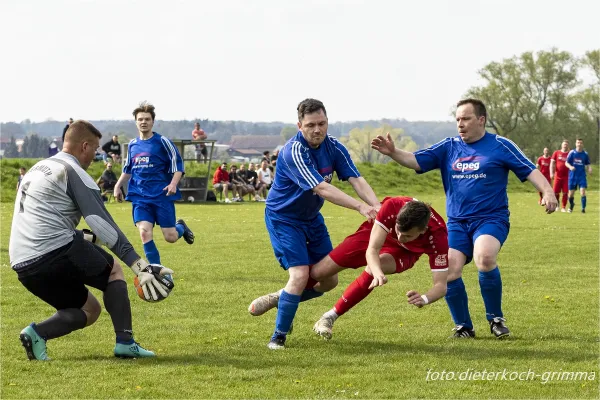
(56, 262)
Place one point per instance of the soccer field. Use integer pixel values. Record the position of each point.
(208, 345)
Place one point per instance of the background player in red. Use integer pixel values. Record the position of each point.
(543, 164)
(560, 173)
(404, 229)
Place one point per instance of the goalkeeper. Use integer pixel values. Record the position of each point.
(55, 262)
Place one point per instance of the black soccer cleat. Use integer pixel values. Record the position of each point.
(498, 328)
(462, 332)
(277, 342)
(583, 210)
(188, 235)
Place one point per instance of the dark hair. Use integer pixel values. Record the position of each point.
(146, 108)
(309, 106)
(265, 152)
(580, 139)
(79, 129)
(480, 110)
(414, 214)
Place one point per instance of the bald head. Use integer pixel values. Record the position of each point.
(81, 141)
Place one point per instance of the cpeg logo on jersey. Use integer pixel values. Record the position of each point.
(467, 164)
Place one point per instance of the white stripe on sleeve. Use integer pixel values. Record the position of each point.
(302, 168)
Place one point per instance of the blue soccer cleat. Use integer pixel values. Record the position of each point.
(132, 350)
(34, 344)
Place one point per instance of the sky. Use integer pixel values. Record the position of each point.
(256, 60)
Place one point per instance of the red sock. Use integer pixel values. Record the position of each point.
(564, 200)
(354, 294)
(311, 283)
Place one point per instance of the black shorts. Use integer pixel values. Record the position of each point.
(60, 277)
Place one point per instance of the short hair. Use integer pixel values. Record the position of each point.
(478, 106)
(144, 107)
(265, 152)
(23, 168)
(80, 130)
(565, 140)
(309, 106)
(414, 214)
(579, 139)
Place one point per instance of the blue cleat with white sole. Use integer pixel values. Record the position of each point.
(34, 344)
(132, 350)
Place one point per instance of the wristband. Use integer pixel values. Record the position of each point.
(425, 299)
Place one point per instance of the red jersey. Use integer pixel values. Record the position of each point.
(560, 157)
(220, 176)
(198, 134)
(544, 163)
(434, 242)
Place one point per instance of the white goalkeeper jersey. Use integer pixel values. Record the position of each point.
(54, 194)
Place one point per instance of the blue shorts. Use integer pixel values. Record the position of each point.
(160, 213)
(576, 181)
(298, 243)
(462, 234)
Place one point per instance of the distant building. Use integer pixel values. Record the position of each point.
(253, 146)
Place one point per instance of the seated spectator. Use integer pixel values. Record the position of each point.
(265, 177)
(22, 172)
(201, 151)
(221, 182)
(239, 185)
(112, 150)
(107, 181)
(242, 175)
(253, 179)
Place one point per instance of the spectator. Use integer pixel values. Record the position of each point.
(244, 176)
(52, 149)
(201, 151)
(112, 149)
(66, 127)
(221, 182)
(274, 158)
(265, 175)
(22, 172)
(252, 179)
(267, 158)
(239, 185)
(108, 178)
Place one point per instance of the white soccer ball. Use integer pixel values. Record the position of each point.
(191, 199)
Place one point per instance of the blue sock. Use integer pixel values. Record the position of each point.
(571, 202)
(310, 294)
(180, 230)
(491, 290)
(583, 202)
(286, 311)
(152, 252)
(458, 303)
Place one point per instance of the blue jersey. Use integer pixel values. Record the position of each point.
(578, 159)
(475, 175)
(299, 169)
(151, 164)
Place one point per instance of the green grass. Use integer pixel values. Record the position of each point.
(209, 346)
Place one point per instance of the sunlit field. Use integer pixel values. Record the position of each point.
(208, 345)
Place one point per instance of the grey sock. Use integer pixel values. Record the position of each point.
(62, 323)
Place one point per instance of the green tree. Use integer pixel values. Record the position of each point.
(358, 143)
(35, 146)
(11, 150)
(288, 132)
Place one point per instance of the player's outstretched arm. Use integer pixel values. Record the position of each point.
(365, 191)
(336, 196)
(117, 192)
(376, 240)
(434, 294)
(386, 146)
(542, 185)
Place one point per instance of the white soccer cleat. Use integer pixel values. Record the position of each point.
(563, 210)
(324, 327)
(264, 303)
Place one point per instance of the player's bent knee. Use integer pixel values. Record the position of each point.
(171, 235)
(116, 273)
(328, 284)
(92, 309)
(485, 261)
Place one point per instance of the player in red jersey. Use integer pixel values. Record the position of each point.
(560, 173)
(404, 229)
(543, 164)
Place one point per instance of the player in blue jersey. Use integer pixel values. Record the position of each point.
(153, 168)
(474, 167)
(576, 162)
(305, 167)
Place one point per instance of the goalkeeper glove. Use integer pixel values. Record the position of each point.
(151, 278)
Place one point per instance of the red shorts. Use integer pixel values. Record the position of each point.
(547, 176)
(351, 253)
(561, 185)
